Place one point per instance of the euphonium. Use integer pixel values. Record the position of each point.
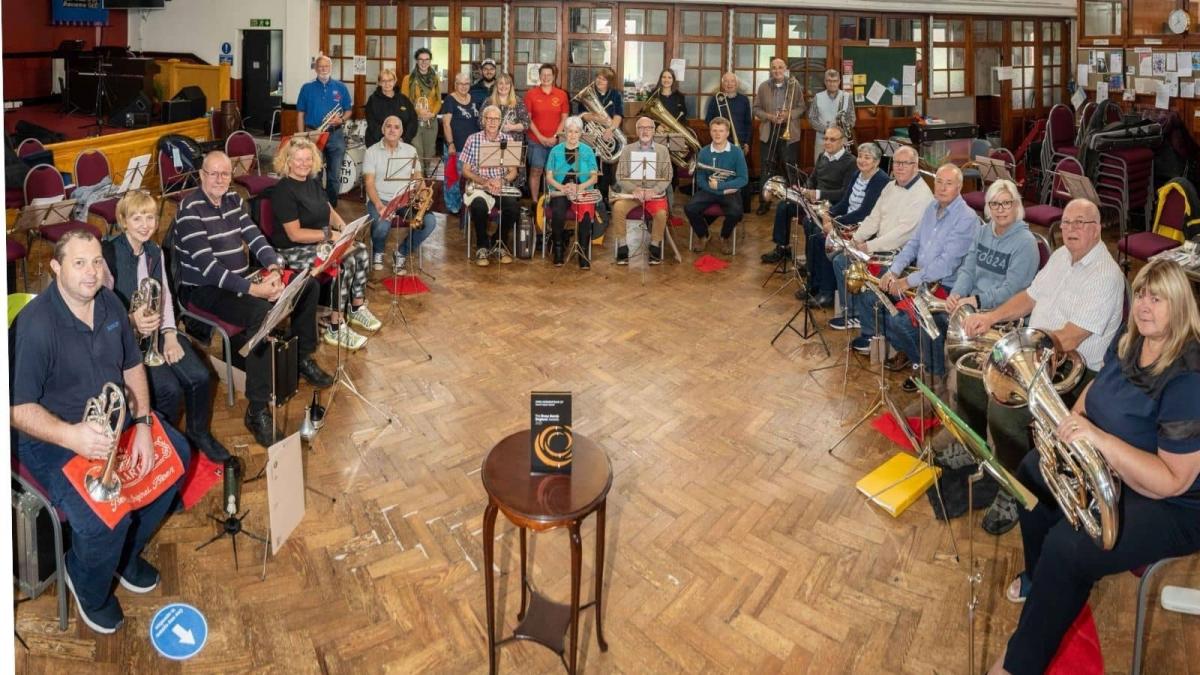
(970, 357)
(608, 150)
(149, 296)
(101, 482)
(653, 108)
(1084, 485)
(775, 189)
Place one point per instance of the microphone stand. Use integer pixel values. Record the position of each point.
(231, 524)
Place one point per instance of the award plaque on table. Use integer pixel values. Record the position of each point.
(550, 437)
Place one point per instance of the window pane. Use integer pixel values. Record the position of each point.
(1017, 98)
(372, 71)
(939, 82)
(848, 28)
(547, 51)
(939, 58)
(710, 80)
(635, 21)
(470, 19)
(493, 18)
(548, 19)
(1101, 17)
(712, 55)
(643, 58)
(713, 23)
(389, 17)
(819, 27)
(744, 24)
(690, 52)
(798, 26)
(766, 25)
(440, 18)
(986, 81)
(389, 47)
(348, 47)
(335, 17)
(745, 81)
(373, 16)
(958, 58)
(691, 23)
(743, 56)
(420, 18)
(765, 52)
(958, 81)
(348, 17)
(525, 17)
(658, 22)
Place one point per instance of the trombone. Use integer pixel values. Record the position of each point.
(724, 110)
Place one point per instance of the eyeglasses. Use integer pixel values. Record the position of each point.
(899, 163)
(223, 175)
(491, 118)
(832, 139)
(1001, 206)
(1077, 223)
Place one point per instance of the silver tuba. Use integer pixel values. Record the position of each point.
(107, 411)
(1084, 485)
(149, 296)
(608, 150)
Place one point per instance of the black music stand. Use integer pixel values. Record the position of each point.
(396, 171)
(810, 327)
(38, 215)
(102, 96)
(503, 154)
(391, 212)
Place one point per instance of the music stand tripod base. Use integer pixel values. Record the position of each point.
(807, 331)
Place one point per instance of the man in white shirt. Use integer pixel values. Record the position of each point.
(889, 226)
(827, 105)
(391, 167)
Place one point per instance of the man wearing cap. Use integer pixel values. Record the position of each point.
(483, 88)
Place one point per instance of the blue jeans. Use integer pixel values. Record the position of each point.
(335, 150)
(97, 552)
(186, 381)
(906, 337)
(381, 228)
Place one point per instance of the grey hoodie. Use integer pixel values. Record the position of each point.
(997, 268)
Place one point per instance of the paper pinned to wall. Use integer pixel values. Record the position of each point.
(1081, 74)
(1114, 62)
(1101, 91)
(1172, 63)
(1185, 64)
(1004, 73)
(910, 75)
(1078, 98)
(875, 92)
(1187, 89)
(909, 95)
(1145, 65)
(1128, 94)
(679, 66)
(1162, 97)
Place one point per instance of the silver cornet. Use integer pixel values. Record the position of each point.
(148, 296)
(717, 172)
(101, 482)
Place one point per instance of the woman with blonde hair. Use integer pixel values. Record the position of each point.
(386, 101)
(183, 379)
(302, 223)
(1140, 413)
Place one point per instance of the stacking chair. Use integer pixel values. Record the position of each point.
(1059, 141)
(1175, 218)
(1044, 250)
(241, 144)
(1147, 575)
(975, 199)
(91, 167)
(30, 146)
(45, 182)
(1049, 214)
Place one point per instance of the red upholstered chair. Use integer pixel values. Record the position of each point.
(45, 182)
(1060, 137)
(241, 144)
(91, 167)
(30, 146)
(1044, 250)
(976, 198)
(1049, 215)
(1172, 219)
(17, 254)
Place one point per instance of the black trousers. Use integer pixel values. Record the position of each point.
(559, 208)
(249, 311)
(510, 211)
(186, 382)
(730, 204)
(774, 163)
(1064, 563)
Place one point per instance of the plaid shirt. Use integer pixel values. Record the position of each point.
(469, 156)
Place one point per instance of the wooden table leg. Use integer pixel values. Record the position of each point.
(489, 545)
(576, 564)
(599, 573)
(524, 585)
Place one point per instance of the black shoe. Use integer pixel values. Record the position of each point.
(310, 371)
(898, 362)
(259, 423)
(622, 255)
(655, 255)
(774, 257)
(762, 209)
(211, 447)
(909, 385)
(1001, 516)
(558, 254)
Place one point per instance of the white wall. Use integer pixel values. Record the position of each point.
(200, 26)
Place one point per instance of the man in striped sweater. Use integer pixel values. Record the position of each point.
(210, 229)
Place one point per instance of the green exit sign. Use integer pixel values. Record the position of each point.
(260, 23)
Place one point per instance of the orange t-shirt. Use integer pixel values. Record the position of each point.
(546, 110)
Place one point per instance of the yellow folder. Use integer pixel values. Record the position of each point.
(898, 482)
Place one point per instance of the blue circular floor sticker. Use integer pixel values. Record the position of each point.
(178, 631)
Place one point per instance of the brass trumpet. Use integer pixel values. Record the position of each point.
(328, 119)
(717, 172)
(148, 296)
(101, 482)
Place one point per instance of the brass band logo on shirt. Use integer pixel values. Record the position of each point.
(550, 438)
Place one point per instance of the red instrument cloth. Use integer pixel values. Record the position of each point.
(199, 479)
(452, 169)
(653, 206)
(135, 492)
(886, 425)
(906, 305)
(1079, 652)
(405, 285)
(707, 263)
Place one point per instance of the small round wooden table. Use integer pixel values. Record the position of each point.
(540, 503)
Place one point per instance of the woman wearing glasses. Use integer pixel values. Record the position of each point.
(386, 101)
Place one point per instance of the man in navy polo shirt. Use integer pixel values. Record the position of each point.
(316, 99)
(67, 344)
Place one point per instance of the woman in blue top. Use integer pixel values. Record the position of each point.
(862, 191)
(570, 170)
(1141, 414)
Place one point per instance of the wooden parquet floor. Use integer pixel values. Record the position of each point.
(736, 544)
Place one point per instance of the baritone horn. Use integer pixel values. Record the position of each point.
(106, 411)
(149, 297)
(1084, 485)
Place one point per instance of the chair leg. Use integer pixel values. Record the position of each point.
(228, 347)
(1140, 622)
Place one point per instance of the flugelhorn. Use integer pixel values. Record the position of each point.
(101, 482)
(717, 172)
(1084, 485)
(149, 297)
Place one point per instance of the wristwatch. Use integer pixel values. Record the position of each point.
(144, 419)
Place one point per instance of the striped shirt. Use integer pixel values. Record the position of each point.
(858, 192)
(1088, 294)
(209, 238)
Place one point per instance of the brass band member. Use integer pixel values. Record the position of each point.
(571, 169)
(487, 185)
(614, 106)
(548, 107)
(730, 104)
(183, 381)
(388, 100)
(481, 89)
(712, 188)
(778, 107)
(68, 343)
(326, 100)
(646, 187)
(391, 167)
(828, 105)
(423, 88)
(1140, 412)
(1077, 298)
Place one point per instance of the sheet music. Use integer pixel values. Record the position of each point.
(642, 165)
(283, 307)
(135, 171)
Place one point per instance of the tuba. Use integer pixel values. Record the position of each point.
(1084, 485)
(102, 482)
(608, 150)
(654, 109)
(149, 296)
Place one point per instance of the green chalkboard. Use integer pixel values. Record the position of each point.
(882, 65)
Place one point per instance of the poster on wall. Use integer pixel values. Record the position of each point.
(78, 12)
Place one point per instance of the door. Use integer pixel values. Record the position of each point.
(256, 79)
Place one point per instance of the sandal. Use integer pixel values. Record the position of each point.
(1018, 590)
